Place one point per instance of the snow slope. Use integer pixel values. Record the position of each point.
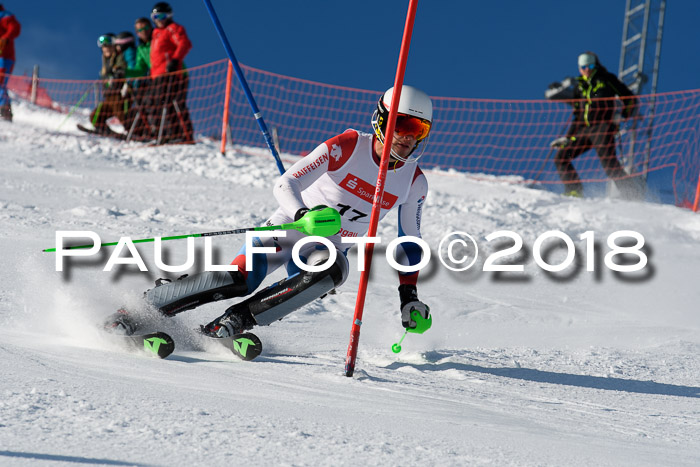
(573, 368)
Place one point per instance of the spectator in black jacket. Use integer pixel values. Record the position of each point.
(593, 125)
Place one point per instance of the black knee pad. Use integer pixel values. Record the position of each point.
(338, 270)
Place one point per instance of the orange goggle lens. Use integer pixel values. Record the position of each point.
(413, 126)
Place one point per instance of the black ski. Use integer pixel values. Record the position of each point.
(111, 134)
(155, 343)
(246, 346)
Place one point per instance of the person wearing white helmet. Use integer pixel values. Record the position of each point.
(593, 126)
(340, 173)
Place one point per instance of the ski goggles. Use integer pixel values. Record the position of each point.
(145, 28)
(160, 16)
(105, 39)
(588, 67)
(407, 125)
(124, 41)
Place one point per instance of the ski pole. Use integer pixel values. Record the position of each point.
(544, 164)
(321, 222)
(165, 110)
(396, 348)
(133, 126)
(422, 325)
(140, 113)
(75, 107)
(182, 121)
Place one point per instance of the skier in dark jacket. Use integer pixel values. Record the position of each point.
(593, 125)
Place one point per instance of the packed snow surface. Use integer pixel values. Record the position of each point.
(574, 367)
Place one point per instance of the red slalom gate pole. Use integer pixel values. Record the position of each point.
(379, 190)
(697, 196)
(227, 99)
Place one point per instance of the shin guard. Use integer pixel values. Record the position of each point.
(192, 291)
(278, 300)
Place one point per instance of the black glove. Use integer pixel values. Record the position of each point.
(554, 85)
(301, 212)
(409, 302)
(172, 65)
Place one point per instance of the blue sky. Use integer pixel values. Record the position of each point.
(481, 49)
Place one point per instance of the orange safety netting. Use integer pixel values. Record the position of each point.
(479, 136)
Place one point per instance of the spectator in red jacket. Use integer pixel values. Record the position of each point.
(9, 30)
(169, 45)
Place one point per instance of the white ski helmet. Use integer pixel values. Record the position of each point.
(413, 103)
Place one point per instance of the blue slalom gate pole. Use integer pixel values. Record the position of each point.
(244, 84)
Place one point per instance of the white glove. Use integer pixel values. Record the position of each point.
(124, 91)
(410, 303)
(560, 142)
(410, 307)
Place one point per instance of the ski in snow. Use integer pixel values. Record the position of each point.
(113, 134)
(245, 346)
(155, 343)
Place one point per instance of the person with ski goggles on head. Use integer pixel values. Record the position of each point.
(134, 90)
(126, 45)
(340, 173)
(169, 46)
(593, 126)
(112, 73)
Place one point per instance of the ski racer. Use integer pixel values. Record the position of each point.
(340, 173)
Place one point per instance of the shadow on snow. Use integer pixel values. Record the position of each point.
(566, 379)
(73, 459)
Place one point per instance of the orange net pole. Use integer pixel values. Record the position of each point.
(227, 100)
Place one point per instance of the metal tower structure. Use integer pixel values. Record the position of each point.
(641, 45)
(640, 56)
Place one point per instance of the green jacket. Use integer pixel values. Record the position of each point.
(143, 62)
